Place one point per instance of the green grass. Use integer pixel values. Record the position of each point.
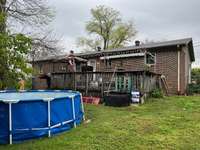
(169, 123)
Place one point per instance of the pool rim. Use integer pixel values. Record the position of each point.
(45, 100)
(32, 91)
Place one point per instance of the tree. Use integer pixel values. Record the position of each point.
(20, 23)
(32, 18)
(34, 13)
(107, 29)
(89, 44)
(195, 75)
(43, 46)
(13, 62)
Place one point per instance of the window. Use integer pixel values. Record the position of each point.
(40, 68)
(108, 63)
(92, 63)
(63, 68)
(150, 58)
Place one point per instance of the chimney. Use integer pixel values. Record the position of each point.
(137, 43)
(71, 52)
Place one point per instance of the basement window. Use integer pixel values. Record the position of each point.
(150, 58)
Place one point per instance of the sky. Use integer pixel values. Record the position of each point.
(155, 20)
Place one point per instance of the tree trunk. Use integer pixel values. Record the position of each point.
(3, 16)
(104, 44)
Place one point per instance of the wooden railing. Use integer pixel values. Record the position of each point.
(98, 83)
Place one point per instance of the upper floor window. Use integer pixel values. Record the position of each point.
(40, 68)
(150, 58)
(63, 68)
(92, 63)
(108, 63)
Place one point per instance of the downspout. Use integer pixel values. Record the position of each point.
(179, 56)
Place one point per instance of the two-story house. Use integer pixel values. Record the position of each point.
(172, 59)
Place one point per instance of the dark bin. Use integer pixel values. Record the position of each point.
(117, 99)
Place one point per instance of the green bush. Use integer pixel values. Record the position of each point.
(193, 89)
(28, 84)
(156, 93)
(196, 75)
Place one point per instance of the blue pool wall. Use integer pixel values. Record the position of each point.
(30, 118)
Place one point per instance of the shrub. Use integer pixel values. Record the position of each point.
(28, 84)
(193, 89)
(195, 75)
(156, 93)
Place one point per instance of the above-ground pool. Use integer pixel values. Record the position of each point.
(33, 114)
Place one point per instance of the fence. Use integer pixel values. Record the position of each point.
(99, 83)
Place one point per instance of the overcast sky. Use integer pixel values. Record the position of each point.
(156, 20)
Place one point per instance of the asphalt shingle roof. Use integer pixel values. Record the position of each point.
(185, 41)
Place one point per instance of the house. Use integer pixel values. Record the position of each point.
(60, 63)
(172, 59)
(46, 66)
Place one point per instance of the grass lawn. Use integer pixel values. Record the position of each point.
(169, 123)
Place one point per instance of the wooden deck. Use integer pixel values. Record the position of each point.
(97, 83)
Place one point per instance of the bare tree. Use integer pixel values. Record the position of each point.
(34, 15)
(45, 45)
(32, 12)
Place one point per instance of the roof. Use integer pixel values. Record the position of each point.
(81, 57)
(185, 41)
(60, 58)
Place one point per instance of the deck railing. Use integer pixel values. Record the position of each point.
(98, 83)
